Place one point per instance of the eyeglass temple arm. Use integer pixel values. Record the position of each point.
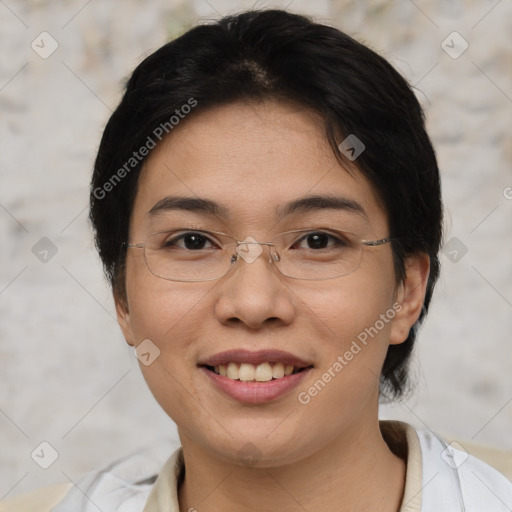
(374, 243)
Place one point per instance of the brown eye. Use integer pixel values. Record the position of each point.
(320, 240)
(191, 241)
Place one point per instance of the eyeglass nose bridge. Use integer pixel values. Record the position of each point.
(246, 250)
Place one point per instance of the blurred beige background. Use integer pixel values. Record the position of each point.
(67, 376)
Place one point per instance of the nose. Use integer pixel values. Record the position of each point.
(249, 250)
(253, 292)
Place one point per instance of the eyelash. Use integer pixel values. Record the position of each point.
(172, 242)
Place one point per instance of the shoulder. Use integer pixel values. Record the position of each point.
(424, 440)
(444, 474)
(501, 460)
(40, 500)
(455, 474)
(124, 483)
(455, 452)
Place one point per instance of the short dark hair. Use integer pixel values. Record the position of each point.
(275, 54)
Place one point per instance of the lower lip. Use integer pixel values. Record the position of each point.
(256, 392)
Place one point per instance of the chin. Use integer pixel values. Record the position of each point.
(262, 446)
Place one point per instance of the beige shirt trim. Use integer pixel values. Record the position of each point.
(411, 502)
(164, 494)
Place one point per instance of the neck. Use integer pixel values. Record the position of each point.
(357, 471)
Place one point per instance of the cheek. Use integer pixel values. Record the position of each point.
(353, 321)
(359, 330)
(159, 309)
(169, 314)
(343, 309)
(166, 313)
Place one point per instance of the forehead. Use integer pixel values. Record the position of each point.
(249, 161)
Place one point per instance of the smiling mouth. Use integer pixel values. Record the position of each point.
(263, 372)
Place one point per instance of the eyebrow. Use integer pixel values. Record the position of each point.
(320, 202)
(303, 205)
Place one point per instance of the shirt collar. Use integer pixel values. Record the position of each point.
(401, 438)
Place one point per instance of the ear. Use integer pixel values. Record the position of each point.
(123, 319)
(409, 297)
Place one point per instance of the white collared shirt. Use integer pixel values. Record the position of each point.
(439, 478)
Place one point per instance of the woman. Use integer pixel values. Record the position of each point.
(266, 203)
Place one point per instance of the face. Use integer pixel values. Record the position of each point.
(253, 160)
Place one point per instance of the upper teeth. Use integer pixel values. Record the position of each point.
(261, 373)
